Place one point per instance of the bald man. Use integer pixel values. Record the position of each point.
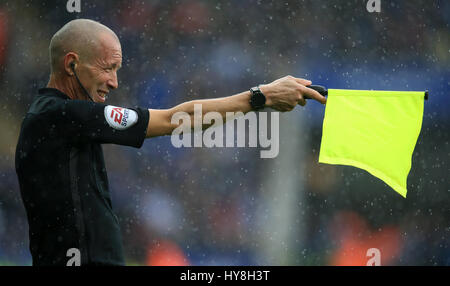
(59, 159)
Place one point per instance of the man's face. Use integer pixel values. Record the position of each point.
(99, 74)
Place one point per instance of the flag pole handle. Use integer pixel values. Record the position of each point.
(320, 89)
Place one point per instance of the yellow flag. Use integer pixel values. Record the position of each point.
(373, 130)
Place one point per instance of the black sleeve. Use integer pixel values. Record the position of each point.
(84, 121)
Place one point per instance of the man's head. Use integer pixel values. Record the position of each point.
(95, 53)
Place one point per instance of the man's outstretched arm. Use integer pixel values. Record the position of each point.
(282, 95)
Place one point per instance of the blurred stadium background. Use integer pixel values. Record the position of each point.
(226, 206)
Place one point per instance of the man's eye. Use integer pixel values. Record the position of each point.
(108, 69)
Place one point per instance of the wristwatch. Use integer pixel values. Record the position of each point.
(257, 99)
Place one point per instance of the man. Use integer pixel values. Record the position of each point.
(59, 159)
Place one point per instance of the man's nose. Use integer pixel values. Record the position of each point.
(113, 82)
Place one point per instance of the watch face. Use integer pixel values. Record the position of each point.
(258, 100)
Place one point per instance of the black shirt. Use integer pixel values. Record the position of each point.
(63, 180)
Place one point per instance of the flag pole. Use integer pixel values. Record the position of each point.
(324, 91)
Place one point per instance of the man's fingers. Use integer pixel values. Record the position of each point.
(302, 81)
(311, 93)
(301, 101)
(308, 92)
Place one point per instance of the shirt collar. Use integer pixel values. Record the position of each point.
(53, 91)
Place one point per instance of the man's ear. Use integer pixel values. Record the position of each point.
(70, 63)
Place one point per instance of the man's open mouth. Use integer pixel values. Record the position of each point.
(101, 94)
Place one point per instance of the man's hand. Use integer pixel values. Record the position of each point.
(285, 93)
